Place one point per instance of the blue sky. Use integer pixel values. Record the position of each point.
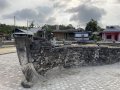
(76, 12)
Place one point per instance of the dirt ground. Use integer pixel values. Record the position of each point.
(5, 50)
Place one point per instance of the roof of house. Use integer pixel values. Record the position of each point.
(21, 31)
(34, 30)
(83, 32)
(68, 30)
(112, 29)
(31, 31)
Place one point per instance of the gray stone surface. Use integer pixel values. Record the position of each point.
(37, 56)
(105, 77)
(45, 56)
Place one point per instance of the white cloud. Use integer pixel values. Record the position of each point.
(39, 14)
(36, 9)
(3, 4)
(83, 13)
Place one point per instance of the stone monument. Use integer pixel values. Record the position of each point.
(38, 55)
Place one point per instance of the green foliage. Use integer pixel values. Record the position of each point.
(92, 26)
(8, 29)
(49, 27)
(70, 26)
(95, 37)
(61, 27)
(32, 24)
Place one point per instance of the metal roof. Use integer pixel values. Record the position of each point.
(31, 31)
(112, 29)
(67, 30)
(34, 30)
(82, 32)
(24, 32)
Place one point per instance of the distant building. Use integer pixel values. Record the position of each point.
(71, 35)
(1, 38)
(111, 33)
(82, 36)
(60, 35)
(30, 32)
(64, 34)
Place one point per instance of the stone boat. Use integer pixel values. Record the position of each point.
(38, 55)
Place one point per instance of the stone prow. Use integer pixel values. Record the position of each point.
(38, 55)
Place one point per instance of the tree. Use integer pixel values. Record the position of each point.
(9, 29)
(61, 27)
(70, 26)
(48, 31)
(92, 26)
(32, 24)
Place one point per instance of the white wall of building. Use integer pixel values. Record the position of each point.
(119, 37)
(103, 37)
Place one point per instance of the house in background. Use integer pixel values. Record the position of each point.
(64, 34)
(82, 36)
(60, 35)
(1, 38)
(111, 33)
(71, 35)
(30, 32)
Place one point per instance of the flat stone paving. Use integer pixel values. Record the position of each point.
(84, 78)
